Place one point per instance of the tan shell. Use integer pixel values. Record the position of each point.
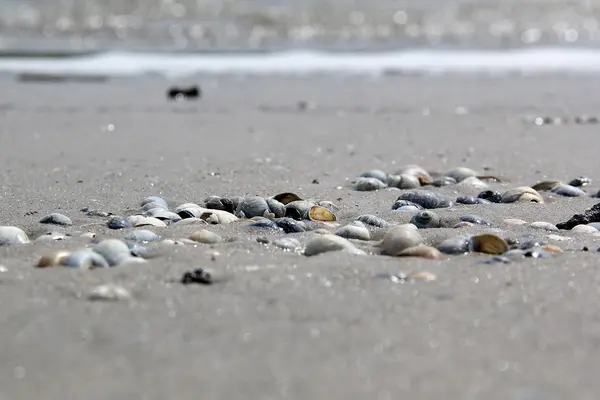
(319, 213)
(522, 193)
(205, 236)
(546, 185)
(488, 243)
(428, 252)
(287, 197)
(52, 259)
(218, 217)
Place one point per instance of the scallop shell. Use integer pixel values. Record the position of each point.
(426, 219)
(318, 213)
(399, 238)
(368, 184)
(522, 193)
(422, 251)
(319, 244)
(287, 197)
(488, 243)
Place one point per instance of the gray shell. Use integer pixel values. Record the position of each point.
(152, 205)
(276, 207)
(444, 181)
(426, 219)
(12, 235)
(400, 238)
(377, 174)
(85, 259)
(404, 181)
(114, 251)
(454, 245)
(474, 219)
(368, 184)
(155, 199)
(568, 191)
(354, 230)
(460, 173)
(142, 235)
(373, 220)
(426, 199)
(298, 209)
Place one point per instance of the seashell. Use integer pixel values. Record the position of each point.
(163, 215)
(50, 237)
(155, 199)
(191, 221)
(191, 212)
(318, 213)
(544, 225)
(552, 249)
(84, 259)
(377, 174)
(594, 225)
(423, 276)
(277, 208)
(250, 207)
(152, 205)
(455, 245)
(491, 196)
(514, 221)
(135, 218)
(444, 181)
(298, 209)
(141, 235)
(489, 178)
(460, 173)
(406, 206)
(404, 181)
(426, 219)
(354, 230)
(290, 225)
(114, 251)
(585, 229)
(428, 252)
(373, 220)
(488, 243)
(568, 191)
(414, 170)
(425, 199)
(472, 183)
(109, 292)
(119, 223)
(52, 259)
(462, 224)
(287, 243)
(205, 236)
(474, 219)
(12, 235)
(286, 198)
(522, 193)
(265, 223)
(185, 206)
(218, 217)
(399, 238)
(319, 244)
(149, 221)
(56, 219)
(546, 185)
(368, 184)
(220, 203)
(471, 200)
(580, 181)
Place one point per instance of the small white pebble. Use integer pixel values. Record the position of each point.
(109, 292)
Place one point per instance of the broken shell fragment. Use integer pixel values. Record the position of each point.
(319, 213)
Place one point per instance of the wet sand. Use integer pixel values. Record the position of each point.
(282, 325)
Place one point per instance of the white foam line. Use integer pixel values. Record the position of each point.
(310, 62)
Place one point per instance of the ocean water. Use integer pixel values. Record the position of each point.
(174, 37)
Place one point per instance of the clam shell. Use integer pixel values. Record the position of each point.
(290, 225)
(425, 199)
(522, 193)
(414, 170)
(444, 181)
(276, 208)
(52, 259)
(56, 219)
(119, 223)
(205, 236)
(377, 174)
(12, 235)
(544, 225)
(218, 217)
(546, 185)
(84, 259)
(319, 244)
(152, 205)
(399, 238)
(582, 228)
(461, 173)
(373, 220)
(265, 223)
(428, 252)
(141, 235)
(318, 213)
(149, 221)
(191, 221)
(250, 207)
(354, 230)
(368, 184)
(218, 203)
(405, 205)
(163, 215)
(298, 209)
(426, 219)
(114, 251)
(514, 221)
(568, 191)
(472, 183)
(454, 245)
(471, 200)
(488, 243)
(155, 199)
(286, 198)
(404, 181)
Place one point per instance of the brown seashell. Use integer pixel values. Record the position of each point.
(546, 185)
(319, 213)
(428, 252)
(286, 197)
(552, 249)
(423, 276)
(52, 259)
(488, 243)
(425, 180)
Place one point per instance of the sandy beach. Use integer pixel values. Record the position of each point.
(280, 325)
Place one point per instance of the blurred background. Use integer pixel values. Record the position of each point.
(262, 25)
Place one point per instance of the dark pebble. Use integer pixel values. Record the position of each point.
(199, 275)
(490, 195)
(189, 93)
(56, 219)
(580, 181)
(591, 215)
